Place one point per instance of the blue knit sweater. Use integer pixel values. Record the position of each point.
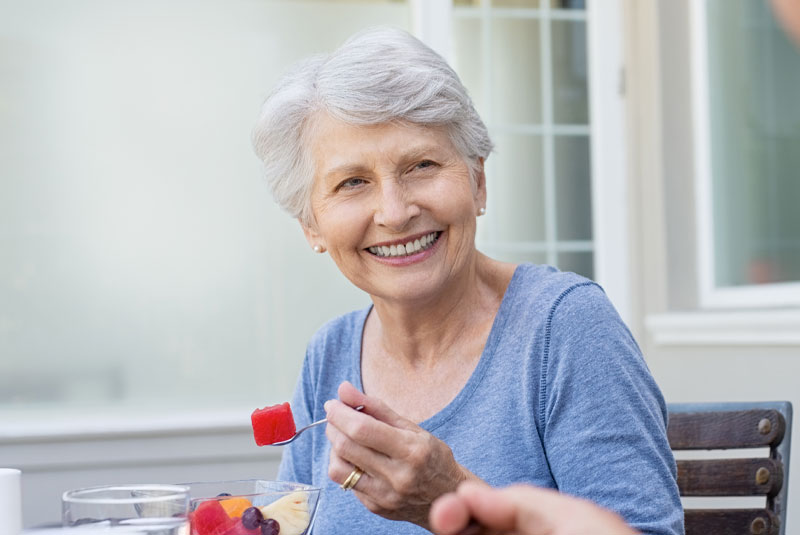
(561, 398)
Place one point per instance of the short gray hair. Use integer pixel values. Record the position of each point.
(377, 76)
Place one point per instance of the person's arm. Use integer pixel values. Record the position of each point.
(405, 467)
(603, 418)
(476, 508)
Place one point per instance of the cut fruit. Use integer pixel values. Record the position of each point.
(273, 424)
(209, 518)
(291, 512)
(237, 528)
(235, 506)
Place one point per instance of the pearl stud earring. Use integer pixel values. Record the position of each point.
(318, 248)
(481, 210)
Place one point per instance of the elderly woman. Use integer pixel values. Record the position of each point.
(467, 368)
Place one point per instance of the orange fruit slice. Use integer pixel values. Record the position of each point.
(235, 506)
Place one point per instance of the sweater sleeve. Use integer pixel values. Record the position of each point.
(603, 416)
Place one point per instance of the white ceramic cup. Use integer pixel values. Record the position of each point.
(10, 501)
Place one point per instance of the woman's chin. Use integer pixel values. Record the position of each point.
(410, 287)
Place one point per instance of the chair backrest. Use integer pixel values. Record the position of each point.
(720, 426)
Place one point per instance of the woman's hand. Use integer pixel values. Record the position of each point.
(476, 509)
(405, 467)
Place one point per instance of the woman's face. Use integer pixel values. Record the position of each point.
(378, 189)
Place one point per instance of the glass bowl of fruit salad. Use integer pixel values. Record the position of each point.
(251, 507)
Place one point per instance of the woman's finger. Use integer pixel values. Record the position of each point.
(356, 453)
(350, 395)
(365, 429)
(339, 470)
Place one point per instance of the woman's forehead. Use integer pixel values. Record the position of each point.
(335, 143)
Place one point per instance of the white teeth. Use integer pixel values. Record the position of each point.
(405, 249)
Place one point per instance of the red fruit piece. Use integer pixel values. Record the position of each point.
(209, 518)
(273, 424)
(236, 528)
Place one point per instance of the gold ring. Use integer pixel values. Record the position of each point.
(352, 479)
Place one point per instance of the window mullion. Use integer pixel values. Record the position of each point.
(548, 146)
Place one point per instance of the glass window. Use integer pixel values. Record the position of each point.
(516, 186)
(570, 77)
(753, 118)
(526, 60)
(577, 262)
(573, 188)
(467, 34)
(144, 262)
(516, 71)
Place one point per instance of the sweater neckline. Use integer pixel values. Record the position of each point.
(495, 333)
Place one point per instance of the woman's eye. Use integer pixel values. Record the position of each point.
(350, 183)
(424, 164)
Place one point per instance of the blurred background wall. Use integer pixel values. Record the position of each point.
(151, 293)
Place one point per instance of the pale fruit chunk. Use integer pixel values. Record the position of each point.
(291, 512)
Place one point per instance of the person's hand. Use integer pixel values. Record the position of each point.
(476, 508)
(405, 467)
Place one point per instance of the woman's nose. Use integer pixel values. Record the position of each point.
(394, 207)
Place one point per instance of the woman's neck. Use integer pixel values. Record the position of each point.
(421, 333)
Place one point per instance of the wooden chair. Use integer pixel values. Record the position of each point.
(719, 426)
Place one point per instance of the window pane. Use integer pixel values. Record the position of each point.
(518, 256)
(754, 83)
(143, 260)
(516, 3)
(577, 262)
(516, 190)
(573, 188)
(568, 4)
(570, 79)
(467, 59)
(515, 71)
(542, 139)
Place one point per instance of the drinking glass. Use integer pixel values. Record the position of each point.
(151, 509)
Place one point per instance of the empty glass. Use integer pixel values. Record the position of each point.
(150, 509)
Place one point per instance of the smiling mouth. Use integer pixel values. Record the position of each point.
(406, 249)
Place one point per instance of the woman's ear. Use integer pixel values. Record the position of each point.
(313, 237)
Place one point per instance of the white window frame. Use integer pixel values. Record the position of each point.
(432, 22)
(607, 120)
(710, 295)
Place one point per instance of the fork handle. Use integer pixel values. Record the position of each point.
(309, 426)
(325, 420)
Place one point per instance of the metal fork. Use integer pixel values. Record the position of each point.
(309, 426)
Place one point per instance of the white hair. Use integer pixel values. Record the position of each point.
(377, 76)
